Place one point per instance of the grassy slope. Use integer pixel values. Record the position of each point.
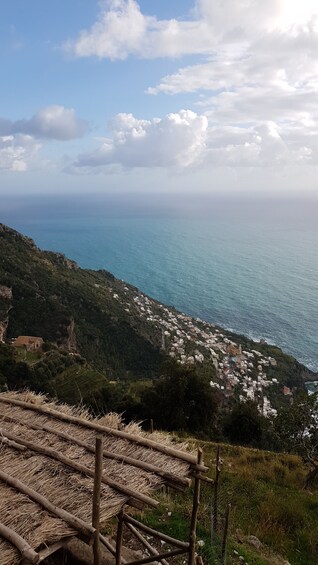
(268, 501)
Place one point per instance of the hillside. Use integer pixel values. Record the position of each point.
(273, 520)
(122, 333)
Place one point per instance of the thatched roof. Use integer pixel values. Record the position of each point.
(49, 448)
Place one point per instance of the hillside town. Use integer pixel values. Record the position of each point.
(239, 372)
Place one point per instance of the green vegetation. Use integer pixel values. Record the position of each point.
(55, 299)
(94, 314)
(181, 399)
(243, 425)
(78, 384)
(265, 491)
(297, 431)
(102, 354)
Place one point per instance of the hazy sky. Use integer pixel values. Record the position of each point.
(158, 95)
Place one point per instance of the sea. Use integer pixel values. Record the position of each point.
(247, 263)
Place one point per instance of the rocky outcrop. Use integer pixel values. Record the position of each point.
(3, 329)
(5, 231)
(71, 337)
(5, 307)
(5, 292)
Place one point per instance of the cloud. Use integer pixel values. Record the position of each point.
(119, 30)
(122, 29)
(51, 122)
(265, 145)
(285, 62)
(255, 74)
(177, 140)
(17, 152)
(186, 139)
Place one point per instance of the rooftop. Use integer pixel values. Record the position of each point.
(47, 456)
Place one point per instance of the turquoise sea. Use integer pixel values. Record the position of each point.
(247, 264)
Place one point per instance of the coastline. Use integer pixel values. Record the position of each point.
(222, 277)
(236, 365)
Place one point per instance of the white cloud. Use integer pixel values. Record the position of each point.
(275, 60)
(51, 122)
(122, 29)
(177, 140)
(17, 152)
(255, 72)
(250, 18)
(186, 139)
(264, 145)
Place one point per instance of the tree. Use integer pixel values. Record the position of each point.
(296, 427)
(243, 425)
(181, 400)
(14, 374)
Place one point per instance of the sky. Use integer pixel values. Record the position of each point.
(158, 95)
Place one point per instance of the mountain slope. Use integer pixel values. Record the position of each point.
(122, 332)
(53, 298)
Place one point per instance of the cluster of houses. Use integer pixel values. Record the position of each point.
(240, 373)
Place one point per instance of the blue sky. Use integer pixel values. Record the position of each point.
(157, 95)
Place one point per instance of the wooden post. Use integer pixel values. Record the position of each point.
(216, 490)
(26, 551)
(155, 533)
(151, 425)
(225, 533)
(146, 543)
(96, 498)
(119, 537)
(211, 522)
(195, 507)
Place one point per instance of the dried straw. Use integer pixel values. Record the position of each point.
(62, 485)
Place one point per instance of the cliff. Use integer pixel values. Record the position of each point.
(5, 307)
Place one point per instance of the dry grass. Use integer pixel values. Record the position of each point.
(62, 485)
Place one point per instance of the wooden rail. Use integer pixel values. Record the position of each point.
(146, 544)
(79, 525)
(110, 547)
(150, 559)
(145, 442)
(20, 544)
(96, 498)
(169, 477)
(53, 454)
(194, 516)
(154, 533)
